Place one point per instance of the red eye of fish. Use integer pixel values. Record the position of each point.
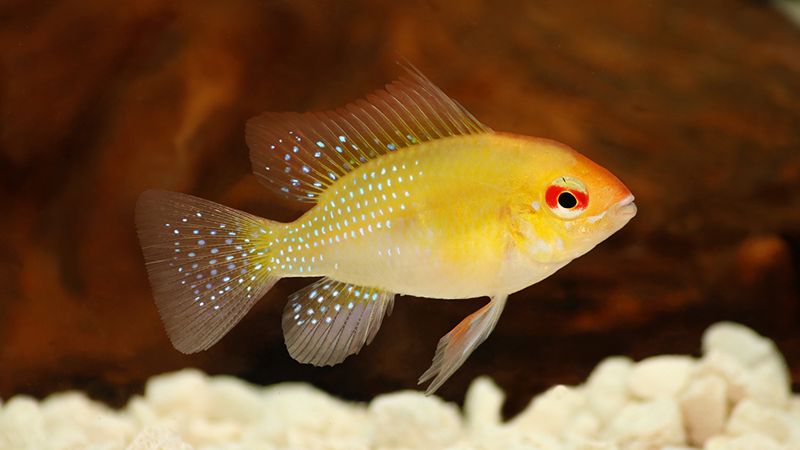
(567, 197)
(560, 197)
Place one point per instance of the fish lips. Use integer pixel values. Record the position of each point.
(626, 208)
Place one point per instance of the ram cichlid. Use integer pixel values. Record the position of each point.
(412, 196)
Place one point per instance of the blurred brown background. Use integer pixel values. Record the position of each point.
(695, 105)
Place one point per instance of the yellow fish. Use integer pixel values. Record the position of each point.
(412, 195)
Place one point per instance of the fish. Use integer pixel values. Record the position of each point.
(411, 196)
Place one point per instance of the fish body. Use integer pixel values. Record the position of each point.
(412, 196)
(440, 229)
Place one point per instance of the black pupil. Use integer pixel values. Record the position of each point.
(567, 200)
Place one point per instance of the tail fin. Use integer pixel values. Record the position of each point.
(206, 263)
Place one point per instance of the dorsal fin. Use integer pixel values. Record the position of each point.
(299, 155)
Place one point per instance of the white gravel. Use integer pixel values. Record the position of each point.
(735, 397)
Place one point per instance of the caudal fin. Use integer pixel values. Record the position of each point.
(206, 264)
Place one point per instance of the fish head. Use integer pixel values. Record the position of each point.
(572, 204)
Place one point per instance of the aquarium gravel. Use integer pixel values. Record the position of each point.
(736, 396)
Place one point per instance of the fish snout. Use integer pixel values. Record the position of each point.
(626, 207)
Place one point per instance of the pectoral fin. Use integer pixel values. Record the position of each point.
(456, 346)
(328, 321)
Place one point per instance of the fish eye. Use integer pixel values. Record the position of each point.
(567, 197)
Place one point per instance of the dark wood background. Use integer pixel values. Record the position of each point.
(695, 105)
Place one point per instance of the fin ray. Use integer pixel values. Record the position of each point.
(328, 321)
(299, 155)
(456, 346)
(203, 265)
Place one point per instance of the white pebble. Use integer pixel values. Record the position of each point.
(704, 404)
(158, 437)
(724, 401)
(770, 382)
(750, 417)
(533, 441)
(186, 390)
(661, 376)
(767, 383)
(767, 376)
(793, 413)
(411, 420)
(607, 387)
(233, 399)
(297, 415)
(504, 437)
(551, 412)
(22, 424)
(738, 341)
(647, 425)
(140, 412)
(76, 421)
(585, 424)
(735, 374)
(578, 443)
(483, 404)
(212, 432)
(750, 441)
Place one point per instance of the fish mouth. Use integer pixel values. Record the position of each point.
(626, 207)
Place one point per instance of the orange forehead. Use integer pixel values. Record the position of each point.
(604, 188)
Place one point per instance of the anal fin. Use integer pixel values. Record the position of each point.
(456, 346)
(328, 321)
